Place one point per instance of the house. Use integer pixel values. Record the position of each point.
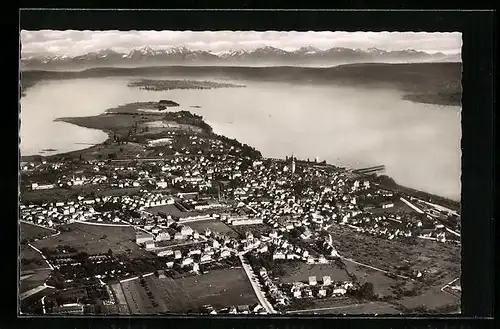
(322, 292)
(161, 274)
(205, 258)
(339, 291)
(245, 309)
(186, 230)
(312, 280)
(225, 253)
(387, 204)
(179, 236)
(187, 261)
(163, 236)
(177, 254)
(263, 248)
(164, 253)
(327, 280)
(297, 293)
(142, 237)
(170, 264)
(278, 255)
(149, 244)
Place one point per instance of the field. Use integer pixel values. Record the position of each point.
(382, 284)
(219, 288)
(432, 297)
(257, 230)
(30, 231)
(349, 307)
(94, 239)
(214, 226)
(364, 308)
(390, 254)
(171, 210)
(52, 195)
(300, 271)
(30, 259)
(399, 207)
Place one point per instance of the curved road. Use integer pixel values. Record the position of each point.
(260, 295)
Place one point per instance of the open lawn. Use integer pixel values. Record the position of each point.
(214, 226)
(432, 297)
(382, 284)
(219, 288)
(257, 230)
(94, 239)
(171, 210)
(31, 260)
(30, 231)
(399, 207)
(391, 254)
(364, 308)
(301, 271)
(52, 195)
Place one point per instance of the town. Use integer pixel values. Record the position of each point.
(168, 217)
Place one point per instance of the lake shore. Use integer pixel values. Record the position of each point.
(128, 122)
(428, 83)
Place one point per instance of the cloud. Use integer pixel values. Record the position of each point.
(71, 42)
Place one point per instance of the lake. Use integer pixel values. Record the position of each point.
(356, 127)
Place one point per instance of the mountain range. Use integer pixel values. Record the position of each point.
(264, 56)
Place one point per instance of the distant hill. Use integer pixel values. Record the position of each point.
(438, 83)
(264, 56)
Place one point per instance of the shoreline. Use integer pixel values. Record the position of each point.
(132, 109)
(439, 83)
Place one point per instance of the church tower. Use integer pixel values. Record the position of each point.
(293, 164)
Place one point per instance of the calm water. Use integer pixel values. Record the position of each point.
(418, 143)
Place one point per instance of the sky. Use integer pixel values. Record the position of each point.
(73, 43)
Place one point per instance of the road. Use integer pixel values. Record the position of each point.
(31, 292)
(258, 292)
(328, 308)
(449, 284)
(43, 256)
(30, 223)
(100, 224)
(375, 268)
(411, 205)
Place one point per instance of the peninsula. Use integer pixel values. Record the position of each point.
(158, 85)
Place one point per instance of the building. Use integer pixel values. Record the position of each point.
(387, 204)
(312, 281)
(164, 253)
(246, 221)
(177, 254)
(162, 236)
(150, 244)
(68, 309)
(187, 261)
(186, 230)
(36, 186)
(327, 280)
(142, 237)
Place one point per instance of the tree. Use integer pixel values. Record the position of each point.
(110, 252)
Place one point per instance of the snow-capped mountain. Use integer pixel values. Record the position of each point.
(306, 55)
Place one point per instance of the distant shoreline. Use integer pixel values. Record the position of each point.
(428, 83)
